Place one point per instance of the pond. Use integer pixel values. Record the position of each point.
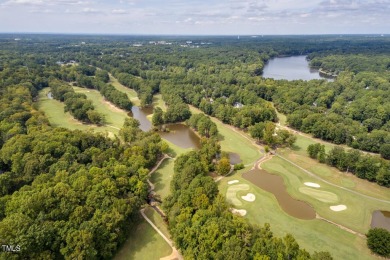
(179, 134)
(381, 219)
(291, 68)
(275, 184)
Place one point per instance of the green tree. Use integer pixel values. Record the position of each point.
(223, 166)
(378, 240)
(158, 117)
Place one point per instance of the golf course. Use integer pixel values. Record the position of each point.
(343, 204)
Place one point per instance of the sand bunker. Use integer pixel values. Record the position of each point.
(241, 212)
(338, 208)
(233, 181)
(312, 184)
(231, 193)
(249, 197)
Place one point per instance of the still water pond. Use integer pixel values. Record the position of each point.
(381, 219)
(290, 68)
(179, 134)
(275, 184)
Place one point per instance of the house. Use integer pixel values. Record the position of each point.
(238, 105)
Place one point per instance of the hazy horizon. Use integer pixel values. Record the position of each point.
(195, 17)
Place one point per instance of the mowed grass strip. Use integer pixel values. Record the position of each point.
(143, 243)
(299, 156)
(157, 220)
(231, 193)
(232, 141)
(54, 111)
(162, 178)
(131, 93)
(357, 216)
(313, 235)
(323, 196)
(114, 116)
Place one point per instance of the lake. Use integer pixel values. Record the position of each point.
(290, 68)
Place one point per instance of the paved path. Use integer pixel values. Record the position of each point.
(175, 254)
(327, 182)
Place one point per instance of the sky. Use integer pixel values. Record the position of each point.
(196, 17)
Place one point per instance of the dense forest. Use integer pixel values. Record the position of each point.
(73, 194)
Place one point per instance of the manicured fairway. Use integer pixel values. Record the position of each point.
(313, 235)
(114, 116)
(131, 93)
(232, 141)
(162, 178)
(54, 111)
(143, 243)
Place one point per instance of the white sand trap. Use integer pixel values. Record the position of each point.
(231, 193)
(233, 181)
(338, 208)
(249, 197)
(241, 212)
(312, 184)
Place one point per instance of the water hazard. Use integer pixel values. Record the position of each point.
(381, 219)
(275, 185)
(179, 134)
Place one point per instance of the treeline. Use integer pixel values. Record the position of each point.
(364, 166)
(145, 92)
(76, 103)
(353, 110)
(90, 77)
(349, 62)
(203, 125)
(269, 134)
(67, 194)
(203, 227)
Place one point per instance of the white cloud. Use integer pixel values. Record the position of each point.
(118, 11)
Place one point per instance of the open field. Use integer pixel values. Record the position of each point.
(143, 243)
(232, 141)
(131, 93)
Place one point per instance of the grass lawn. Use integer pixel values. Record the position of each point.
(157, 220)
(54, 111)
(313, 235)
(299, 156)
(357, 216)
(232, 141)
(143, 243)
(159, 102)
(162, 178)
(114, 116)
(131, 93)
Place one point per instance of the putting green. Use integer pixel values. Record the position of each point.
(231, 193)
(324, 196)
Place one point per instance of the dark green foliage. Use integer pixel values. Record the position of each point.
(366, 166)
(378, 240)
(158, 117)
(76, 103)
(115, 96)
(202, 226)
(203, 125)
